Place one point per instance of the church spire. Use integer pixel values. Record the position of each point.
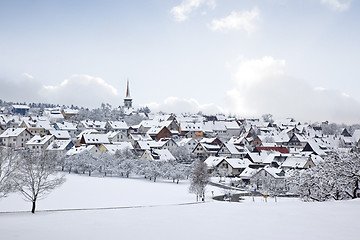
(127, 89)
(127, 99)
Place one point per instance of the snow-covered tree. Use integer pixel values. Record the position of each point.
(8, 166)
(181, 154)
(37, 176)
(337, 177)
(106, 163)
(199, 179)
(126, 162)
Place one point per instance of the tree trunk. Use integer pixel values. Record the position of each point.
(33, 206)
(356, 188)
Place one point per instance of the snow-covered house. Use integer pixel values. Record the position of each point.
(232, 151)
(297, 141)
(54, 114)
(36, 125)
(234, 166)
(117, 126)
(39, 143)
(188, 143)
(167, 143)
(69, 113)
(15, 137)
(117, 136)
(79, 149)
(20, 109)
(205, 150)
(88, 124)
(315, 148)
(212, 162)
(112, 148)
(60, 146)
(94, 139)
(158, 132)
(158, 155)
(269, 178)
(247, 174)
(60, 134)
(191, 130)
(297, 162)
(67, 126)
(135, 137)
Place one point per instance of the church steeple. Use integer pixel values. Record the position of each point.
(127, 90)
(127, 99)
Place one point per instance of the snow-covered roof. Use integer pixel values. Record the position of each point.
(356, 135)
(248, 173)
(58, 145)
(258, 157)
(60, 134)
(238, 163)
(185, 141)
(70, 111)
(37, 122)
(316, 147)
(20, 106)
(39, 140)
(76, 150)
(112, 148)
(12, 132)
(118, 125)
(295, 162)
(94, 124)
(189, 126)
(234, 149)
(68, 126)
(87, 131)
(95, 138)
(140, 137)
(154, 130)
(160, 154)
(275, 172)
(213, 161)
(232, 125)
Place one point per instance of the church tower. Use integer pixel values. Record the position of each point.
(127, 99)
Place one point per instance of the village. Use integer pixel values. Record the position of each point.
(256, 152)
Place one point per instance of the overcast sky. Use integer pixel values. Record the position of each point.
(289, 58)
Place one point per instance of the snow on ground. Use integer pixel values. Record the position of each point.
(285, 219)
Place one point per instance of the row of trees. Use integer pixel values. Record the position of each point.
(337, 178)
(34, 175)
(123, 163)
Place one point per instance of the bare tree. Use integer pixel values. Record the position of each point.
(8, 167)
(199, 179)
(37, 176)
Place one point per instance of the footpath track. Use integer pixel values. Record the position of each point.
(101, 208)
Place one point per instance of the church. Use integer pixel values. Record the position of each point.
(128, 108)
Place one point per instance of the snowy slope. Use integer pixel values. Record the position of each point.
(286, 219)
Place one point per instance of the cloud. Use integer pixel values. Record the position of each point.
(245, 20)
(82, 90)
(262, 86)
(337, 5)
(20, 89)
(182, 11)
(181, 105)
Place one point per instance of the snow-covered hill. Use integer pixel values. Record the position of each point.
(285, 219)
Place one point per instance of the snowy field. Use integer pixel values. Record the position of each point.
(158, 215)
